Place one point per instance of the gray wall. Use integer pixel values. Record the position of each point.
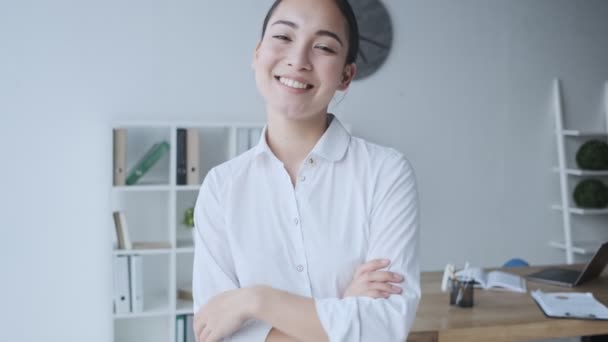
(466, 94)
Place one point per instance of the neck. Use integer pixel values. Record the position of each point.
(292, 140)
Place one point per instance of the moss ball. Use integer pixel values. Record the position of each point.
(591, 193)
(593, 155)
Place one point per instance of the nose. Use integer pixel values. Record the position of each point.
(299, 58)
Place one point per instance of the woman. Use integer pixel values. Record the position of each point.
(292, 236)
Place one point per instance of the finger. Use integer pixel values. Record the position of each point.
(373, 294)
(199, 326)
(376, 294)
(199, 323)
(384, 276)
(371, 266)
(384, 287)
(205, 335)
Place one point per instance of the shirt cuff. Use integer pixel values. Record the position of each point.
(252, 331)
(334, 314)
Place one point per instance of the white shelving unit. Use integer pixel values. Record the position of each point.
(154, 211)
(565, 171)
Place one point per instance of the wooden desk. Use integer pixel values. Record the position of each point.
(499, 315)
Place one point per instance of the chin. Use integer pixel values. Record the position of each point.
(298, 113)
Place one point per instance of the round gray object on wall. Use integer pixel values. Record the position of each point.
(375, 35)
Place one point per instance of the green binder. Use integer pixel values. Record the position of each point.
(153, 155)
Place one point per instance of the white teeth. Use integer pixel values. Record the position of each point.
(293, 84)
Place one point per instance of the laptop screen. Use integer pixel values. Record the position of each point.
(596, 265)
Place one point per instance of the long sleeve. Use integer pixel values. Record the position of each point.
(213, 270)
(394, 222)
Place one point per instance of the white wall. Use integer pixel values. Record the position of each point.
(465, 94)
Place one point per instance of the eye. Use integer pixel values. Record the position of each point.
(281, 37)
(325, 49)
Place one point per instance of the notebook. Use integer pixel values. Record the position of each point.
(570, 305)
(570, 278)
(493, 279)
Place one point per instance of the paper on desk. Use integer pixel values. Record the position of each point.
(570, 304)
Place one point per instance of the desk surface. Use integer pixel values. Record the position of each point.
(499, 315)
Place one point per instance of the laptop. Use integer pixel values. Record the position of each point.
(571, 278)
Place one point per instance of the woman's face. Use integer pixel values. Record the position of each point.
(300, 62)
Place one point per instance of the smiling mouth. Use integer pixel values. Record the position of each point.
(293, 83)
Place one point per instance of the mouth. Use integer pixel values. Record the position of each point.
(291, 83)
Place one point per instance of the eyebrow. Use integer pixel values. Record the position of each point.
(319, 33)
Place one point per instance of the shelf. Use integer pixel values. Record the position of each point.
(579, 172)
(581, 211)
(137, 188)
(155, 251)
(187, 187)
(184, 250)
(184, 307)
(579, 247)
(578, 133)
(154, 306)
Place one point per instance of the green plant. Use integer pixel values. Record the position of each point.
(591, 193)
(593, 155)
(188, 219)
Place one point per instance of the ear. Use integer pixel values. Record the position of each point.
(255, 54)
(348, 75)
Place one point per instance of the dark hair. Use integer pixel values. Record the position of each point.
(351, 22)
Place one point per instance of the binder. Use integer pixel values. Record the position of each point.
(242, 140)
(180, 329)
(570, 305)
(119, 149)
(136, 282)
(182, 167)
(190, 329)
(122, 230)
(153, 155)
(122, 296)
(192, 157)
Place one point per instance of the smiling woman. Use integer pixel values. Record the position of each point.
(271, 263)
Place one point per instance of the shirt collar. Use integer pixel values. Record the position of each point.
(332, 145)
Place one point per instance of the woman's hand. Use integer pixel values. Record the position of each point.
(222, 315)
(370, 282)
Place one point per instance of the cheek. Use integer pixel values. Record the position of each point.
(331, 73)
(269, 55)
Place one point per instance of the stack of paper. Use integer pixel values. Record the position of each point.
(570, 305)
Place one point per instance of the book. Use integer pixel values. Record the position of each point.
(153, 155)
(254, 136)
(570, 305)
(180, 328)
(119, 149)
(136, 283)
(190, 329)
(122, 295)
(182, 167)
(192, 157)
(122, 230)
(185, 293)
(242, 140)
(493, 279)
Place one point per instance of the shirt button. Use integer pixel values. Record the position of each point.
(311, 161)
(296, 221)
(300, 268)
(302, 178)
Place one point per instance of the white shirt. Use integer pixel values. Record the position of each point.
(353, 201)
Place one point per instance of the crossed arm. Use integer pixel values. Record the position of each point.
(229, 310)
(259, 313)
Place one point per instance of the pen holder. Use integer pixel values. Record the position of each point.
(461, 293)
